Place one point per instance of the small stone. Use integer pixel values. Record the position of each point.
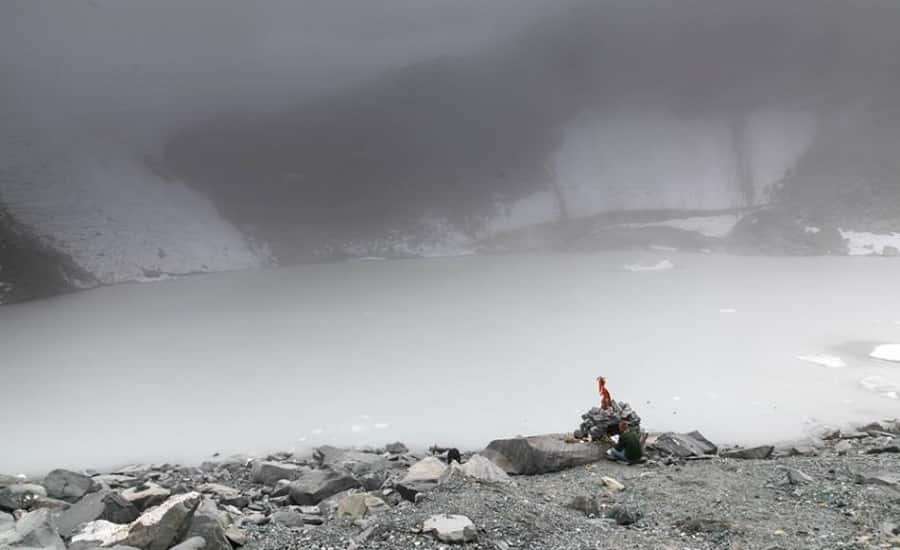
(623, 515)
(797, 477)
(586, 505)
(450, 528)
(888, 479)
(843, 447)
(612, 484)
(193, 543)
(287, 518)
(20, 496)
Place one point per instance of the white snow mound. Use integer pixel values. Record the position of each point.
(887, 352)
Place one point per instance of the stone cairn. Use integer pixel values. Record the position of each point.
(600, 423)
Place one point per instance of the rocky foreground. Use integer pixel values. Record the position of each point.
(839, 490)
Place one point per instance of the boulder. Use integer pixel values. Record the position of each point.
(288, 518)
(355, 462)
(115, 481)
(413, 491)
(99, 533)
(427, 469)
(146, 495)
(34, 530)
(542, 454)
(6, 481)
(161, 527)
(684, 445)
(225, 495)
(893, 446)
(359, 505)
(318, 485)
(20, 496)
(753, 453)
(480, 468)
(210, 523)
(235, 536)
(7, 521)
(52, 504)
(843, 447)
(396, 448)
(105, 504)
(268, 473)
(450, 528)
(67, 485)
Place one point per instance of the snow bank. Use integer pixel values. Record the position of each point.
(831, 361)
(659, 266)
(649, 158)
(861, 243)
(103, 206)
(887, 352)
(709, 226)
(881, 386)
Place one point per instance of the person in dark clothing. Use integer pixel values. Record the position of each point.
(629, 448)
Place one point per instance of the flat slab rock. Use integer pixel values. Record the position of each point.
(684, 445)
(542, 454)
(753, 453)
(450, 528)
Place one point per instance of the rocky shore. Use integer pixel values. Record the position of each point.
(840, 489)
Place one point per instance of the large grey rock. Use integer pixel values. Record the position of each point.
(210, 523)
(67, 485)
(355, 462)
(225, 495)
(450, 528)
(33, 530)
(106, 505)
(7, 521)
(20, 496)
(268, 473)
(161, 527)
(6, 481)
(146, 495)
(684, 445)
(359, 505)
(318, 485)
(115, 481)
(542, 454)
(753, 453)
(482, 469)
(396, 448)
(427, 469)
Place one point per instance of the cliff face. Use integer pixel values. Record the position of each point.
(86, 208)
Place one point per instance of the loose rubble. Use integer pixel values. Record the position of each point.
(839, 489)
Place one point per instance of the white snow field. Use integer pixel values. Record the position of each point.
(452, 351)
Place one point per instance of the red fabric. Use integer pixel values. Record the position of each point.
(605, 399)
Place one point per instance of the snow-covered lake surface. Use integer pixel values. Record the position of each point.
(452, 351)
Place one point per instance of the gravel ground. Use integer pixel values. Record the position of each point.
(716, 503)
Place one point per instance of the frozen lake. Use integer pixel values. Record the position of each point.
(453, 351)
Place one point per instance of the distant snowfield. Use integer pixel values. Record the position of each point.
(453, 351)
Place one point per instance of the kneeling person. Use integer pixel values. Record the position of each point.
(628, 449)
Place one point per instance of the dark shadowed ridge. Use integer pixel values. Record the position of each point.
(451, 135)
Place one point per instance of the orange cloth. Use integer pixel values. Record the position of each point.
(605, 399)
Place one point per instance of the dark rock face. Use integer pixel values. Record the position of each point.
(542, 454)
(318, 485)
(67, 485)
(31, 269)
(684, 445)
(754, 453)
(105, 505)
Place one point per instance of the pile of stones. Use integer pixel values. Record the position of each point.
(598, 424)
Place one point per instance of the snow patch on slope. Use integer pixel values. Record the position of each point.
(104, 207)
(861, 243)
(709, 226)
